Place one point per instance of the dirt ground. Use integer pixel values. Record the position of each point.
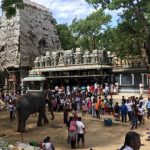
(98, 136)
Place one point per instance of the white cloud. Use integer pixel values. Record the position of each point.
(64, 11)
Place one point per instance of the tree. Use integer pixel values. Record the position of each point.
(11, 6)
(133, 31)
(88, 30)
(67, 40)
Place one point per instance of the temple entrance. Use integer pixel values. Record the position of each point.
(76, 81)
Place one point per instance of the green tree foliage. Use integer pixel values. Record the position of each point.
(88, 31)
(10, 7)
(67, 40)
(133, 30)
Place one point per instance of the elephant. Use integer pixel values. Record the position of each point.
(31, 103)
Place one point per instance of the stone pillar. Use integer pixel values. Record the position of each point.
(120, 78)
(28, 88)
(41, 86)
(142, 74)
(147, 79)
(132, 75)
(112, 80)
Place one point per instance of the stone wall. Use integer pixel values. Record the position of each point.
(38, 33)
(9, 41)
(29, 34)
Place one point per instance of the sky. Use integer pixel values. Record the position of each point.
(64, 11)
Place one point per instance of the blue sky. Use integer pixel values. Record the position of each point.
(64, 11)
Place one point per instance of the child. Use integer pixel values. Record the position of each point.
(47, 145)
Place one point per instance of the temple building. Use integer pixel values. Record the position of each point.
(75, 67)
(24, 37)
(30, 41)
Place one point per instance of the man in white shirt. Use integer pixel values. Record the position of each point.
(95, 88)
(80, 131)
(141, 88)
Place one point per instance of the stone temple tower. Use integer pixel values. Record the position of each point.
(29, 34)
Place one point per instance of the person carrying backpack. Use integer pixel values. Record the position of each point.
(72, 133)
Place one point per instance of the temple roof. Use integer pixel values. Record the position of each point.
(33, 4)
(73, 67)
(34, 78)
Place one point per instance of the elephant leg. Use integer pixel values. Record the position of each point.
(19, 122)
(23, 125)
(39, 123)
(51, 111)
(45, 118)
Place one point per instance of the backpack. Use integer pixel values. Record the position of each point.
(72, 127)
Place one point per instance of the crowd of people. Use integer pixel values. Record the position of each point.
(9, 101)
(94, 100)
(132, 109)
(97, 104)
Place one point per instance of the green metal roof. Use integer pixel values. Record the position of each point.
(34, 78)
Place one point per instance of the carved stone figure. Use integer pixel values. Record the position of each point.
(52, 61)
(61, 60)
(69, 60)
(92, 59)
(77, 59)
(85, 60)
